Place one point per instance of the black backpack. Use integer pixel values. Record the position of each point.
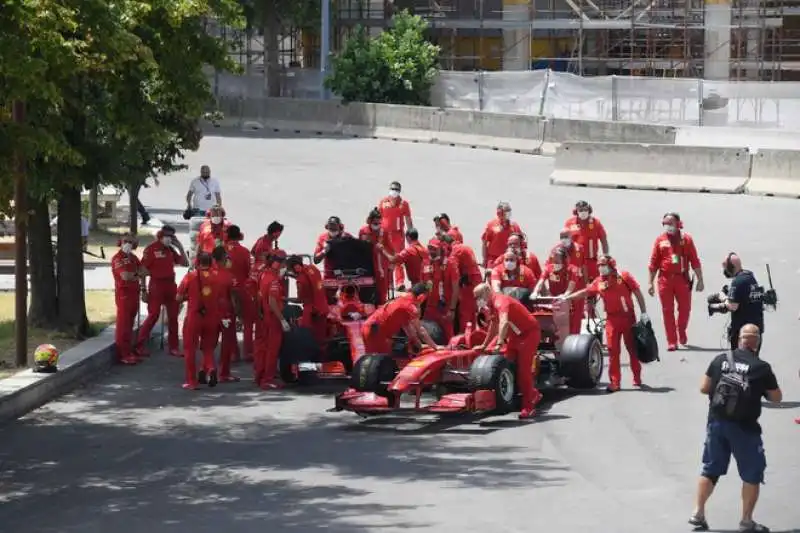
(732, 393)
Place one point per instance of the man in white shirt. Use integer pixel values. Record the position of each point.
(205, 191)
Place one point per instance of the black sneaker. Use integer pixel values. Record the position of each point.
(201, 378)
(212, 378)
(752, 527)
(699, 523)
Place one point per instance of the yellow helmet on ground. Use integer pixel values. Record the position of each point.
(45, 358)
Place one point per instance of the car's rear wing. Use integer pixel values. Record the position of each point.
(344, 281)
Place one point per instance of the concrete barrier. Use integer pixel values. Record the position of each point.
(754, 139)
(559, 130)
(775, 173)
(497, 131)
(652, 167)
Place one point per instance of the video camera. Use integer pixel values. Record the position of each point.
(768, 297)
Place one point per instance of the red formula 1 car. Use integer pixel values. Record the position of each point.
(467, 380)
(351, 294)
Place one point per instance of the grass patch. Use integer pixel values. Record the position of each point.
(100, 310)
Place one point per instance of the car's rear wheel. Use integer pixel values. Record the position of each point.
(494, 372)
(298, 346)
(580, 361)
(373, 373)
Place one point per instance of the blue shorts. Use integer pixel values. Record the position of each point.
(723, 439)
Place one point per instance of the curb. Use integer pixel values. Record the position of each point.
(26, 391)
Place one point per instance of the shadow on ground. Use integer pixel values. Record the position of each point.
(135, 453)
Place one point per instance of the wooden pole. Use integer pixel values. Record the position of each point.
(21, 242)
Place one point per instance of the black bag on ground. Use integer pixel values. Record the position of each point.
(646, 343)
(731, 394)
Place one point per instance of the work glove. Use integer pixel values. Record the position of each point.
(644, 318)
(226, 322)
(285, 326)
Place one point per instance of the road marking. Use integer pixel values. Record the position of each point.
(129, 455)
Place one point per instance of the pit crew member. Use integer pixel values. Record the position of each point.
(516, 334)
(212, 232)
(518, 245)
(510, 273)
(617, 289)
(495, 235)
(158, 262)
(464, 275)
(442, 227)
(128, 282)
(439, 300)
(373, 232)
(267, 242)
(395, 218)
(271, 324)
(312, 296)
(334, 229)
(673, 255)
(203, 290)
(414, 257)
(401, 313)
(241, 268)
(228, 307)
(561, 279)
(586, 230)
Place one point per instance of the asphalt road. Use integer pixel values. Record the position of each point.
(134, 453)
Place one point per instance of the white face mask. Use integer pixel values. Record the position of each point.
(605, 270)
(583, 215)
(166, 241)
(557, 267)
(669, 228)
(127, 248)
(375, 227)
(482, 303)
(510, 265)
(394, 194)
(216, 220)
(282, 271)
(566, 241)
(333, 234)
(507, 215)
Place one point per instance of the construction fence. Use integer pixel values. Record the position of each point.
(673, 101)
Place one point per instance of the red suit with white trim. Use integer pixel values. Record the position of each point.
(394, 211)
(125, 267)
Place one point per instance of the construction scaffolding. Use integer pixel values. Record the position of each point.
(758, 39)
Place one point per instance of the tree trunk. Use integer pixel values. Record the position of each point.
(43, 312)
(71, 298)
(133, 201)
(93, 193)
(271, 26)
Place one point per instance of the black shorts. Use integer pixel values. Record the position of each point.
(723, 439)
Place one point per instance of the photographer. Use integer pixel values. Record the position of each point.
(744, 300)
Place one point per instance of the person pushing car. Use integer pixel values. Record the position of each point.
(511, 273)
(514, 332)
(617, 289)
(414, 257)
(400, 314)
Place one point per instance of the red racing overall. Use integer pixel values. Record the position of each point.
(240, 268)
(202, 290)
(386, 322)
(393, 223)
(160, 261)
(312, 295)
(126, 298)
(465, 271)
(269, 330)
(380, 262)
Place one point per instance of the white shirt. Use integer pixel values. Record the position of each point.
(204, 193)
(84, 226)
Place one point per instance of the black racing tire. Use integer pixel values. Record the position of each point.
(298, 346)
(292, 313)
(580, 361)
(435, 331)
(372, 373)
(494, 372)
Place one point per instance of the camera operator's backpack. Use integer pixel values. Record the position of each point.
(732, 393)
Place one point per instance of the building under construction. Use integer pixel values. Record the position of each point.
(755, 40)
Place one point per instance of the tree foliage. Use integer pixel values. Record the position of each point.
(114, 91)
(396, 67)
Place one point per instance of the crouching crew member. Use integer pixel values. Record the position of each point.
(673, 255)
(516, 334)
(401, 313)
(312, 296)
(617, 288)
(127, 270)
(561, 279)
(271, 324)
(203, 290)
(158, 261)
